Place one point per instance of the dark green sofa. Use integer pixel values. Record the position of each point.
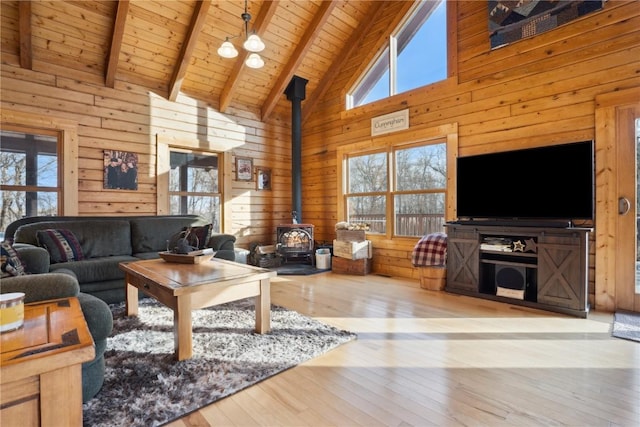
(108, 241)
(39, 285)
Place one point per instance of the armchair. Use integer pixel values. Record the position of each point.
(40, 286)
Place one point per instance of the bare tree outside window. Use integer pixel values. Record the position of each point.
(29, 183)
(417, 197)
(194, 186)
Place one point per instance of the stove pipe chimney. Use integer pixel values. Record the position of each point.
(295, 92)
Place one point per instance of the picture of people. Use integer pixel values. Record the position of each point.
(120, 170)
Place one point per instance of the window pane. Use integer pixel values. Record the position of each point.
(47, 202)
(368, 173)
(421, 168)
(47, 171)
(368, 209)
(28, 161)
(375, 85)
(193, 172)
(422, 57)
(13, 168)
(194, 186)
(379, 91)
(206, 206)
(419, 214)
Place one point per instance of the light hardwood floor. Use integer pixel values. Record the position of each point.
(433, 358)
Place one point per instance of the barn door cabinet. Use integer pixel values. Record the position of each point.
(548, 266)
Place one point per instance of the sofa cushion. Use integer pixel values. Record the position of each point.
(96, 269)
(153, 234)
(11, 264)
(62, 245)
(97, 237)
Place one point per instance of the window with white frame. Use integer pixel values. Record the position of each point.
(415, 56)
(194, 185)
(400, 191)
(29, 175)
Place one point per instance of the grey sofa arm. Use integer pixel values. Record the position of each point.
(224, 245)
(41, 287)
(222, 242)
(35, 258)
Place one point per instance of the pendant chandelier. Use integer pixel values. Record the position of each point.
(252, 44)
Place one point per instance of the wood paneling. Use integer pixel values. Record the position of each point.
(538, 91)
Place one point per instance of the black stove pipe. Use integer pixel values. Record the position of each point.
(295, 92)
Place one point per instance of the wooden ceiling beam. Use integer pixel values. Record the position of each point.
(24, 24)
(352, 44)
(308, 38)
(197, 22)
(116, 42)
(262, 21)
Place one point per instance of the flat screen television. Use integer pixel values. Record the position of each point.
(535, 184)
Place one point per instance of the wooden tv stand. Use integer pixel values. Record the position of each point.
(552, 262)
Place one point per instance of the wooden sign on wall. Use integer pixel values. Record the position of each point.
(392, 122)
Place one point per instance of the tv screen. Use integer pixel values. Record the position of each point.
(553, 182)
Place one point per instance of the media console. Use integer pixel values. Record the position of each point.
(540, 267)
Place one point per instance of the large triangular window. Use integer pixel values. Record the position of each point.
(415, 56)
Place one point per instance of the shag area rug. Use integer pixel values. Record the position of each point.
(145, 386)
(626, 325)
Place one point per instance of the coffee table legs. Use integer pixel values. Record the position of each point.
(263, 307)
(182, 318)
(182, 329)
(131, 299)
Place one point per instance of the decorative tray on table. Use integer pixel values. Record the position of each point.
(193, 257)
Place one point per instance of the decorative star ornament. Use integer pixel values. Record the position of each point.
(518, 246)
(530, 245)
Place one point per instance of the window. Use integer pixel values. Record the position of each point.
(194, 185)
(407, 183)
(415, 56)
(29, 175)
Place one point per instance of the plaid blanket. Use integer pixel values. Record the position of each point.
(430, 250)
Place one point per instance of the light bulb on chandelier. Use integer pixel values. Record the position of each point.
(252, 43)
(254, 61)
(227, 49)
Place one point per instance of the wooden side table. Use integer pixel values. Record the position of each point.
(41, 365)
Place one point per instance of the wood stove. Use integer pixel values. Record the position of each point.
(295, 242)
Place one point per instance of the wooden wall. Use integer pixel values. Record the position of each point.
(134, 116)
(538, 91)
(534, 92)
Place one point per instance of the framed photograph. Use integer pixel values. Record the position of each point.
(263, 178)
(244, 169)
(120, 170)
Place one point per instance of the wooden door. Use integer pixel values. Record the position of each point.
(616, 200)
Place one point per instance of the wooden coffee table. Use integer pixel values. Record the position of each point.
(187, 287)
(41, 365)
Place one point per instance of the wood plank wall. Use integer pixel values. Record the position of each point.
(535, 92)
(134, 115)
(538, 91)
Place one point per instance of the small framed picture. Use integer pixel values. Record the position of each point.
(244, 169)
(263, 178)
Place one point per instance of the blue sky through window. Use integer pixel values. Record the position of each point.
(423, 61)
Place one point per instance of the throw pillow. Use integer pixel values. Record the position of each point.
(62, 245)
(10, 262)
(199, 236)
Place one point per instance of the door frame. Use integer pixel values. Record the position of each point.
(615, 234)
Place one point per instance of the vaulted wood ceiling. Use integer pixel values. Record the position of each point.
(171, 47)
